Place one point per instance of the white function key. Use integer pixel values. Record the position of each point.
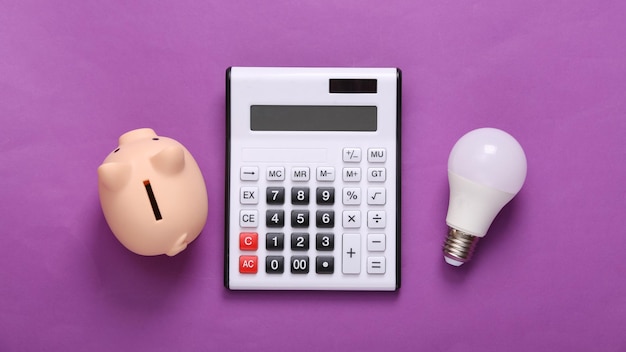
(376, 174)
(300, 174)
(351, 258)
(376, 196)
(376, 265)
(249, 195)
(249, 173)
(376, 155)
(376, 242)
(351, 196)
(248, 218)
(376, 219)
(351, 219)
(351, 174)
(325, 173)
(275, 173)
(352, 155)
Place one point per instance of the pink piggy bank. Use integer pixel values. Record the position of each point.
(152, 194)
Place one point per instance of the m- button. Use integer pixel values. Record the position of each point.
(325, 173)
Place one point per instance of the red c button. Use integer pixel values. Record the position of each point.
(248, 241)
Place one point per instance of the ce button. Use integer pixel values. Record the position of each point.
(248, 218)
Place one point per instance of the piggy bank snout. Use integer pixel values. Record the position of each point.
(114, 175)
(138, 134)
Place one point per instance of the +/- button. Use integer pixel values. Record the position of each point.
(352, 155)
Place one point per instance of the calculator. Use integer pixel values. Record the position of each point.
(312, 179)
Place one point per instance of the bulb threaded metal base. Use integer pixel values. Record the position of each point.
(459, 247)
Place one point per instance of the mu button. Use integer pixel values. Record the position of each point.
(248, 241)
(248, 264)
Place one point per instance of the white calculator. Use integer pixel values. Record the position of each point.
(313, 179)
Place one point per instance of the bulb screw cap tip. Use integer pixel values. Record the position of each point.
(459, 247)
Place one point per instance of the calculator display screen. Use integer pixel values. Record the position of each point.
(313, 118)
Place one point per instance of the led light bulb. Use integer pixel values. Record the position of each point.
(486, 169)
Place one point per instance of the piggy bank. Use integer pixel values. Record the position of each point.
(152, 194)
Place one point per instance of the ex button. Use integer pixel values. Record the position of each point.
(249, 195)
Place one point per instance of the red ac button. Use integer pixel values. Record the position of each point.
(248, 241)
(248, 264)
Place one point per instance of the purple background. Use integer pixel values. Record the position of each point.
(550, 276)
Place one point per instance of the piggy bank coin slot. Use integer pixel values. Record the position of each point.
(153, 202)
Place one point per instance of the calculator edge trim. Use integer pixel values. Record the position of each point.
(227, 184)
(398, 184)
(398, 175)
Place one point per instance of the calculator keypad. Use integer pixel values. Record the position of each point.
(307, 226)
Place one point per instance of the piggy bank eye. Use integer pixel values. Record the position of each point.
(116, 150)
(155, 139)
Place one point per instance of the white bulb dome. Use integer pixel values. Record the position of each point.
(489, 157)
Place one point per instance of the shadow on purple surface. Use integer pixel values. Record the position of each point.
(130, 281)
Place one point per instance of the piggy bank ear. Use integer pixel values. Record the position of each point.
(114, 175)
(170, 160)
